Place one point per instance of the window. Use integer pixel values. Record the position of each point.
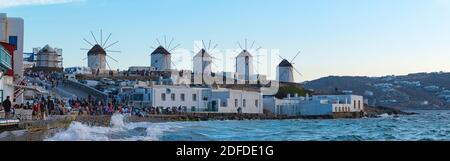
(244, 103)
(163, 96)
(172, 96)
(335, 109)
(13, 41)
(354, 104)
(193, 108)
(194, 97)
(182, 97)
(235, 102)
(1, 96)
(359, 104)
(256, 103)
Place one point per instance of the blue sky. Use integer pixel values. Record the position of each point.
(337, 37)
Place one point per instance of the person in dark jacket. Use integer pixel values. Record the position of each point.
(7, 106)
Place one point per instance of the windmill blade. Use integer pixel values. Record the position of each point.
(88, 42)
(112, 58)
(240, 45)
(258, 49)
(253, 43)
(204, 46)
(107, 39)
(101, 36)
(245, 44)
(108, 65)
(296, 56)
(84, 59)
(174, 65)
(281, 57)
(215, 46)
(84, 49)
(298, 72)
(170, 43)
(165, 41)
(157, 40)
(209, 45)
(174, 48)
(94, 37)
(111, 45)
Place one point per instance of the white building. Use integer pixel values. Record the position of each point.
(197, 99)
(49, 57)
(314, 106)
(161, 59)
(202, 65)
(6, 73)
(97, 59)
(285, 72)
(12, 32)
(244, 65)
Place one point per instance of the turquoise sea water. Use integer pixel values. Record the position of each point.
(427, 125)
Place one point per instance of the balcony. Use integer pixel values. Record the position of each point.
(5, 60)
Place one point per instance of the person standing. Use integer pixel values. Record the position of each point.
(7, 106)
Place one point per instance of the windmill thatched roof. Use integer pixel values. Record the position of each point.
(161, 50)
(245, 53)
(203, 53)
(97, 49)
(285, 63)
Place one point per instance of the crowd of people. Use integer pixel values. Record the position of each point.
(45, 106)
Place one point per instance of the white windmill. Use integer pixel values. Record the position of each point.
(244, 62)
(203, 61)
(97, 54)
(160, 58)
(285, 70)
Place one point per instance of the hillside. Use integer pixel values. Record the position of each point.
(413, 91)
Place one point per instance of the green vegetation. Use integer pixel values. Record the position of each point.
(292, 89)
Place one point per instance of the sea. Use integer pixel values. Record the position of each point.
(425, 126)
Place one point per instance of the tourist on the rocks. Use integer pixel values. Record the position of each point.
(7, 106)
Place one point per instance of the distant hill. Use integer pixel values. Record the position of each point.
(412, 91)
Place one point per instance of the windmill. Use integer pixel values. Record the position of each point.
(160, 58)
(244, 61)
(203, 60)
(285, 70)
(98, 53)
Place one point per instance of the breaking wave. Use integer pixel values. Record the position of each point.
(118, 130)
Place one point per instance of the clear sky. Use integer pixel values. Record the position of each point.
(337, 37)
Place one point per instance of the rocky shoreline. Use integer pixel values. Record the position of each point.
(39, 130)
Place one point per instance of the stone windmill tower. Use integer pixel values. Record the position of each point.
(244, 62)
(202, 62)
(161, 58)
(98, 53)
(285, 70)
